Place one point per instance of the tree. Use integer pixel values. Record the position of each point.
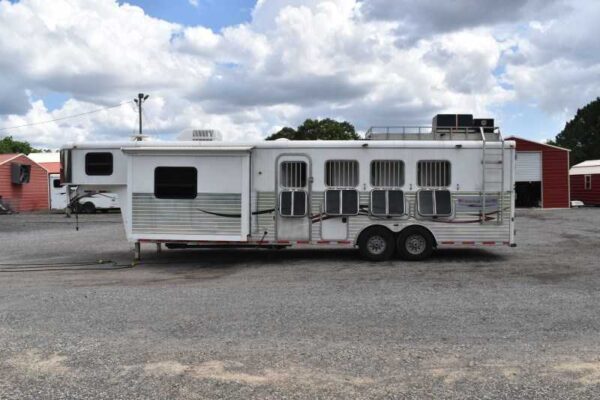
(9, 145)
(313, 129)
(581, 135)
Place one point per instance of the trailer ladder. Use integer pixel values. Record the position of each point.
(492, 162)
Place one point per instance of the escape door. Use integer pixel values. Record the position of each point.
(293, 197)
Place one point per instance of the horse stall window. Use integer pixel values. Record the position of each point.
(175, 182)
(99, 164)
(433, 173)
(341, 202)
(341, 173)
(292, 203)
(434, 203)
(387, 173)
(293, 174)
(386, 203)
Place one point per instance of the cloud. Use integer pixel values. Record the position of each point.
(369, 62)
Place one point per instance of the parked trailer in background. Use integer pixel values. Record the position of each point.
(87, 204)
(426, 188)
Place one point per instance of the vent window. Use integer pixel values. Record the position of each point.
(292, 203)
(341, 202)
(386, 203)
(387, 173)
(293, 174)
(99, 164)
(434, 203)
(175, 182)
(433, 173)
(341, 173)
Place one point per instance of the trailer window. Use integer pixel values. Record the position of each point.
(341, 173)
(434, 203)
(293, 174)
(99, 164)
(386, 203)
(56, 183)
(341, 202)
(292, 203)
(175, 182)
(588, 182)
(387, 173)
(433, 173)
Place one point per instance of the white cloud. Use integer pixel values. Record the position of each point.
(370, 62)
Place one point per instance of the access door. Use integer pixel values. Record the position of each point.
(58, 193)
(293, 197)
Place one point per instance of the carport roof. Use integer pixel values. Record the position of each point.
(589, 167)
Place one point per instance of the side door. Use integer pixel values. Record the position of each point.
(292, 185)
(58, 193)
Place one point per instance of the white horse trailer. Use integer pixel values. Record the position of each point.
(427, 188)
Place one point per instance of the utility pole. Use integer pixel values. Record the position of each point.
(140, 99)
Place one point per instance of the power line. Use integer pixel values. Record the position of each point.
(63, 118)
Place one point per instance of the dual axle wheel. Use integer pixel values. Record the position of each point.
(379, 243)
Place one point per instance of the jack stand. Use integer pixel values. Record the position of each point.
(158, 248)
(137, 252)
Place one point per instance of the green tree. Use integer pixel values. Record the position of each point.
(9, 145)
(581, 135)
(315, 129)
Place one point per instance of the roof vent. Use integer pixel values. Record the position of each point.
(200, 135)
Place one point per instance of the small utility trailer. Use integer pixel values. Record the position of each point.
(404, 190)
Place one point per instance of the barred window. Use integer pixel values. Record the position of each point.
(292, 203)
(341, 173)
(434, 203)
(387, 203)
(293, 174)
(341, 202)
(387, 173)
(433, 173)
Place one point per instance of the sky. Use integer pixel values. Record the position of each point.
(248, 68)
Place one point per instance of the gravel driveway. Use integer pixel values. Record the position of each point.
(298, 324)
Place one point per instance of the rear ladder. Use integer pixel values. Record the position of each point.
(492, 165)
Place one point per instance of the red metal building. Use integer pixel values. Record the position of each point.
(23, 183)
(542, 175)
(585, 182)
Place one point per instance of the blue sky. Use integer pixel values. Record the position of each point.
(214, 14)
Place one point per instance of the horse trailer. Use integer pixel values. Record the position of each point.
(401, 190)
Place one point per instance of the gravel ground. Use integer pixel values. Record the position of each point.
(259, 324)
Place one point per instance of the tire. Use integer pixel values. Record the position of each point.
(414, 243)
(376, 244)
(87, 208)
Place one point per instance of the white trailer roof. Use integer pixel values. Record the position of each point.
(295, 144)
(589, 167)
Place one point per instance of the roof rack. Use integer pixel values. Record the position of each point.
(489, 134)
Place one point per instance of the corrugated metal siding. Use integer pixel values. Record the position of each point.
(528, 167)
(578, 191)
(155, 216)
(555, 173)
(30, 196)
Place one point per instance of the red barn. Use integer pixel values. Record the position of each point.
(585, 182)
(542, 175)
(23, 183)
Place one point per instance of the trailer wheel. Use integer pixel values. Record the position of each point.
(415, 243)
(376, 244)
(88, 208)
